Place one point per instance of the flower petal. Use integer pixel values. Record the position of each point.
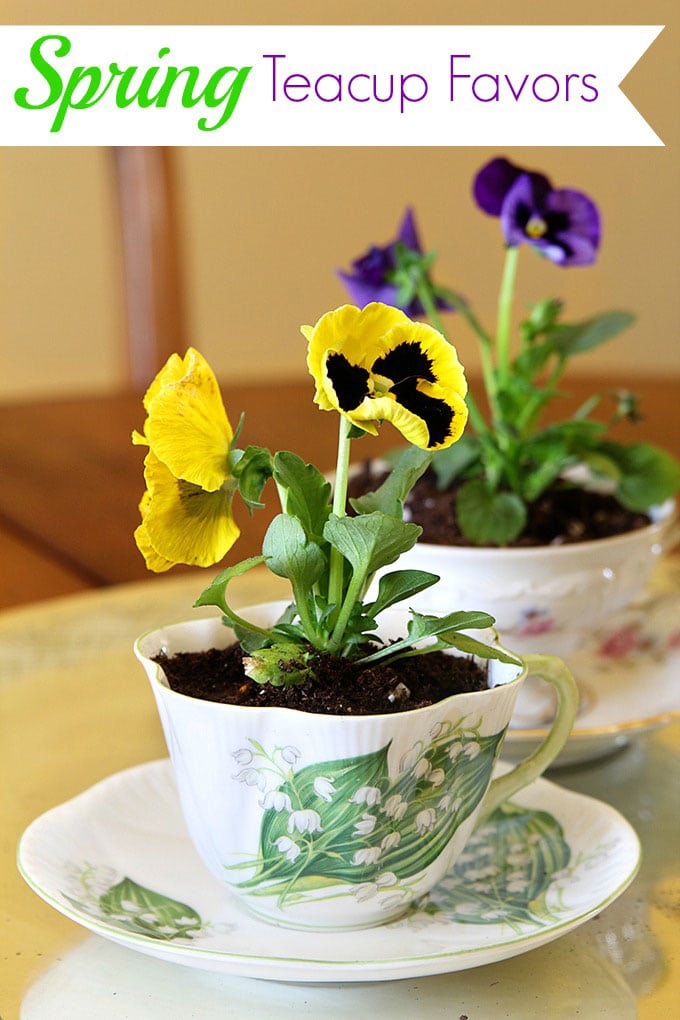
(428, 386)
(564, 225)
(494, 181)
(154, 561)
(426, 415)
(363, 292)
(416, 350)
(349, 384)
(492, 184)
(376, 364)
(525, 199)
(172, 372)
(187, 427)
(355, 333)
(372, 275)
(580, 240)
(408, 232)
(182, 523)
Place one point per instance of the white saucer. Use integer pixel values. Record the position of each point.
(629, 677)
(117, 859)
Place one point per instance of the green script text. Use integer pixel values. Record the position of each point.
(87, 86)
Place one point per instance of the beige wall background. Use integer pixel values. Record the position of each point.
(263, 230)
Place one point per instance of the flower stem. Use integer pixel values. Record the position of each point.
(335, 577)
(351, 598)
(427, 301)
(306, 618)
(535, 404)
(505, 312)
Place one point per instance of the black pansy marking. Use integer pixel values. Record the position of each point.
(349, 381)
(406, 361)
(436, 413)
(405, 365)
(549, 226)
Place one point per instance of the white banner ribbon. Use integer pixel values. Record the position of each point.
(434, 85)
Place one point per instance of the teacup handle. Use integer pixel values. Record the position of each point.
(553, 671)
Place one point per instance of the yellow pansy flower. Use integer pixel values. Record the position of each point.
(187, 426)
(187, 507)
(375, 364)
(181, 522)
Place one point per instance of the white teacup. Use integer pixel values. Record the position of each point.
(327, 822)
(544, 598)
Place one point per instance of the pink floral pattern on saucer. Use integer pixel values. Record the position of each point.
(536, 621)
(646, 630)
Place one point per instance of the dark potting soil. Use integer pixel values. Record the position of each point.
(562, 515)
(339, 687)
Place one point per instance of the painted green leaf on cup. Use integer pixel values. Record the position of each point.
(348, 821)
(505, 871)
(327, 845)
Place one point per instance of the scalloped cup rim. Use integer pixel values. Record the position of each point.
(664, 515)
(410, 756)
(160, 679)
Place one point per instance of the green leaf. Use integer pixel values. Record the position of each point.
(370, 541)
(389, 498)
(574, 431)
(399, 585)
(333, 801)
(469, 645)
(494, 460)
(543, 460)
(602, 466)
(487, 517)
(289, 554)
(252, 469)
(584, 336)
(648, 475)
(148, 912)
(464, 784)
(214, 594)
(421, 626)
(281, 665)
(513, 397)
(249, 641)
(543, 315)
(587, 407)
(454, 460)
(529, 362)
(307, 493)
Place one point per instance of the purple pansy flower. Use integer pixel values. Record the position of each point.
(562, 223)
(372, 276)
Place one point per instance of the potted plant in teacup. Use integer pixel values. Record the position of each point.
(552, 528)
(338, 776)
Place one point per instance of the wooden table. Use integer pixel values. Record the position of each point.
(71, 480)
